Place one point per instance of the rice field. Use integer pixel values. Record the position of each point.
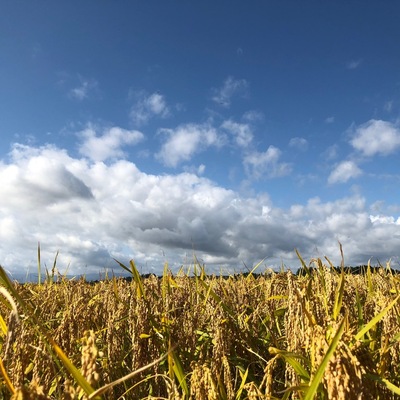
(321, 334)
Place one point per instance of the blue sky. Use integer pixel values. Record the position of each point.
(235, 131)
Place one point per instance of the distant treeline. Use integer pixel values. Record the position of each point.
(358, 270)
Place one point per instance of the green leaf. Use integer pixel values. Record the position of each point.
(138, 280)
(83, 383)
(175, 364)
(312, 390)
(217, 298)
(376, 319)
(395, 389)
(292, 359)
(303, 264)
(135, 275)
(123, 266)
(250, 274)
(39, 266)
(241, 387)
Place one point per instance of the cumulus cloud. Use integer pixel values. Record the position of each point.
(376, 137)
(343, 172)
(223, 96)
(91, 211)
(146, 107)
(266, 164)
(42, 178)
(242, 133)
(185, 141)
(109, 144)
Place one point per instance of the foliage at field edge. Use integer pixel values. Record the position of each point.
(323, 334)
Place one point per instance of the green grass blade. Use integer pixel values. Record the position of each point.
(176, 366)
(54, 268)
(138, 280)
(39, 266)
(133, 271)
(250, 274)
(292, 359)
(312, 390)
(376, 319)
(303, 264)
(82, 382)
(5, 281)
(395, 389)
(123, 266)
(241, 387)
(217, 299)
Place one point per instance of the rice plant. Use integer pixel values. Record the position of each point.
(323, 333)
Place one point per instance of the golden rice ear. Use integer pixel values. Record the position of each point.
(266, 335)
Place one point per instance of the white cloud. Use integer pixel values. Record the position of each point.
(331, 152)
(91, 211)
(192, 169)
(299, 143)
(376, 137)
(353, 64)
(343, 172)
(253, 116)
(185, 141)
(241, 132)
(266, 164)
(330, 120)
(384, 219)
(223, 96)
(388, 106)
(85, 87)
(109, 144)
(147, 107)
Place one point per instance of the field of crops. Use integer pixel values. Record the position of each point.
(321, 334)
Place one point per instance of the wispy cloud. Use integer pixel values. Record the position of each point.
(148, 106)
(185, 141)
(353, 64)
(388, 106)
(331, 152)
(223, 96)
(84, 89)
(107, 145)
(330, 120)
(343, 172)
(253, 116)
(266, 164)
(299, 143)
(376, 137)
